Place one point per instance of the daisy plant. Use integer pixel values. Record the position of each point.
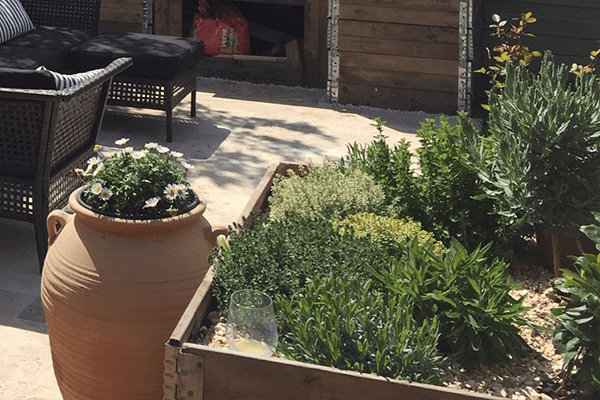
(145, 183)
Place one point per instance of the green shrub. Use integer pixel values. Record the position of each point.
(478, 317)
(346, 324)
(390, 168)
(379, 228)
(279, 257)
(540, 157)
(324, 190)
(446, 196)
(578, 336)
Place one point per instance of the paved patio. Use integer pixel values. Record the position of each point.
(240, 129)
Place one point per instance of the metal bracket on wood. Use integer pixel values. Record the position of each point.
(191, 382)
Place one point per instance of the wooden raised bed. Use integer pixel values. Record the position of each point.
(197, 372)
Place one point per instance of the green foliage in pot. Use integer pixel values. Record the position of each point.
(383, 228)
(324, 189)
(540, 158)
(445, 195)
(348, 324)
(479, 318)
(578, 336)
(136, 184)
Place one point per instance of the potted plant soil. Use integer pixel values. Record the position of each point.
(120, 271)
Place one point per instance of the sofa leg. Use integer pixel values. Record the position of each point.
(169, 125)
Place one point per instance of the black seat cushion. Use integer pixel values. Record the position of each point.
(154, 56)
(26, 79)
(50, 37)
(30, 57)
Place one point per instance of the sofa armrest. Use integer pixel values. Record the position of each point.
(74, 14)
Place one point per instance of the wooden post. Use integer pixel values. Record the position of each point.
(168, 17)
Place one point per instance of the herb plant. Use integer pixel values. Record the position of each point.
(137, 184)
(478, 317)
(347, 324)
(578, 336)
(383, 228)
(324, 190)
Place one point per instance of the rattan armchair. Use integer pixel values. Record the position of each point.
(44, 136)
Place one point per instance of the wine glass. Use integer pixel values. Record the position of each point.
(251, 326)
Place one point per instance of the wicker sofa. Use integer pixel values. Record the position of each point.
(44, 136)
(60, 26)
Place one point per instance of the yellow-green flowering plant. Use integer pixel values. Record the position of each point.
(146, 183)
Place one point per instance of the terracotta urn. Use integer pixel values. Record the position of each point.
(113, 290)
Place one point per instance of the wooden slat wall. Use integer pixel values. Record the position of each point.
(399, 54)
(121, 15)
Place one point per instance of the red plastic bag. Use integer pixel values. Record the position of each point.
(222, 29)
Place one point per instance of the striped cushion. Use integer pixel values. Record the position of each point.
(64, 81)
(14, 21)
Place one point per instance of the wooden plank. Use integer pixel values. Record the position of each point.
(413, 33)
(107, 26)
(399, 63)
(399, 15)
(128, 4)
(120, 15)
(445, 5)
(232, 375)
(298, 3)
(442, 51)
(398, 99)
(168, 17)
(315, 55)
(400, 80)
(256, 69)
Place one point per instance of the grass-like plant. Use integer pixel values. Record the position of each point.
(348, 324)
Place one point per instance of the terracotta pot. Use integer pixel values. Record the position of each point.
(566, 246)
(113, 290)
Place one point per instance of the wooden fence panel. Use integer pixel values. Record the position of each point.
(399, 54)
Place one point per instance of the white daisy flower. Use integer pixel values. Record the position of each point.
(98, 169)
(151, 203)
(187, 165)
(105, 194)
(79, 171)
(162, 149)
(94, 161)
(96, 188)
(138, 155)
(176, 154)
(128, 150)
(171, 191)
(181, 190)
(151, 145)
(122, 142)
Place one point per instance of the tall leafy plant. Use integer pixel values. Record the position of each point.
(578, 336)
(479, 318)
(540, 158)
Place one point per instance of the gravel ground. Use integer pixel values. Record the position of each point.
(534, 377)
